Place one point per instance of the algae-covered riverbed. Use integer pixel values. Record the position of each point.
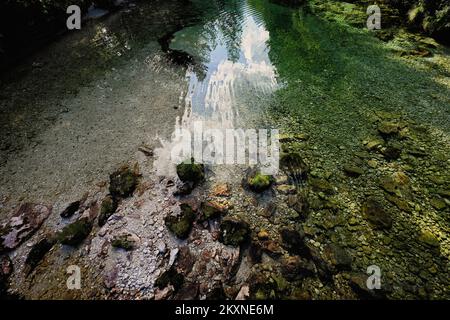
(86, 178)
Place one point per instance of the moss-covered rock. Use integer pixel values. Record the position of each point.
(338, 257)
(353, 170)
(234, 231)
(256, 181)
(428, 238)
(211, 210)
(74, 233)
(123, 182)
(191, 172)
(181, 225)
(125, 241)
(107, 209)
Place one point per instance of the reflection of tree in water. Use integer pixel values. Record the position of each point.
(229, 22)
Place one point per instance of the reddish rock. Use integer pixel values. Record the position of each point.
(22, 225)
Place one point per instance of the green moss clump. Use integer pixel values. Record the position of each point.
(257, 182)
(234, 232)
(108, 207)
(191, 172)
(123, 182)
(181, 226)
(74, 233)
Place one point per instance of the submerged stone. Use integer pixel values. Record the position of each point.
(70, 210)
(295, 268)
(107, 209)
(388, 128)
(294, 166)
(125, 241)
(293, 241)
(428, 238)
(37, 253)
(234, 232)
(170, 277)
(353, 170)
(392, 152)
(191, 172)
(211, 210)
(338, 257)
(376, 215)
(300, 204)
(256, 181)
(438, 203)
(123, 182)
(181, 226)
(321, 185)
(74, 233)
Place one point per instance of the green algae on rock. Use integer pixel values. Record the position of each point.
(181, 225)
(123, 182)
(74, 233)
(256, 181)
(191, 172)
(211, 210)
(234, 231)
(107, 209)
(125, 241)
(374, 212)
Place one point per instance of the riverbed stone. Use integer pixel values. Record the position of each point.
(70, 209)
(37, 253)
(107, 209)
(353, 170)
(191, 172)
(234, 231)
(428, 238)
(211, 210)
(181, 225)
(294, 166)
(295, 268)
(374, 212)
(74, 233)
(123, 182)
(256, 181)
(338, 257)
(127, 241)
